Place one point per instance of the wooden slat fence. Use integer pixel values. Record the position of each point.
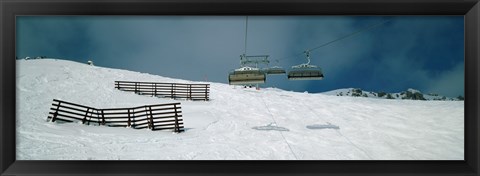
(154, 117)
(167, 90)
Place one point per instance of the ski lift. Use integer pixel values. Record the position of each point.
(305, 71)
(275, 70)
(246, 76)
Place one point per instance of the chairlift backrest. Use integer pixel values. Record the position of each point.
(305, 71)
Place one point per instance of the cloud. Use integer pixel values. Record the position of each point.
(411, 52)
(178, 47)
(449, 83)
(52, 37)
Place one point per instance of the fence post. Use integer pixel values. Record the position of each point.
(56, 112)
(206, 92)
(148, 120)
(85, 118)
(190, 91)
(135, 87)
(103, 118)
(152, 88)
(129, 121)
(117, 85)
(133, 118)
(177, 128)
(98, 118)
(146, 113)
(151, 117)
(155, 94)
(172, 92)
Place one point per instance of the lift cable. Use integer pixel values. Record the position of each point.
(246, 30)
(341, 38)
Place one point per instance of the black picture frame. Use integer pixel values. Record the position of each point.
(470, 9)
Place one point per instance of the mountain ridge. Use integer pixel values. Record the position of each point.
(409, 94)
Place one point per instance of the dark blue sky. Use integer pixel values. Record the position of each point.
(420, 52)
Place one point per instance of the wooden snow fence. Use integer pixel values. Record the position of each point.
(167, 90)
(154, 117)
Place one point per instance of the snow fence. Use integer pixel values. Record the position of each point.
(154, 117)
(166, 90)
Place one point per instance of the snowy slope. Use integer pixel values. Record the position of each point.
(226, 128)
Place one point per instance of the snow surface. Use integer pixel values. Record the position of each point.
(229, 126)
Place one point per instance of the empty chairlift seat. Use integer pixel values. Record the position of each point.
(305, 72)
(246, 75)
(275, 71)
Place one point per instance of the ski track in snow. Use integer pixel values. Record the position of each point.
(221, 129)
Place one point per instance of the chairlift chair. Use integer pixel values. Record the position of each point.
(246, 76)
(305, 71)
(275, 70)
